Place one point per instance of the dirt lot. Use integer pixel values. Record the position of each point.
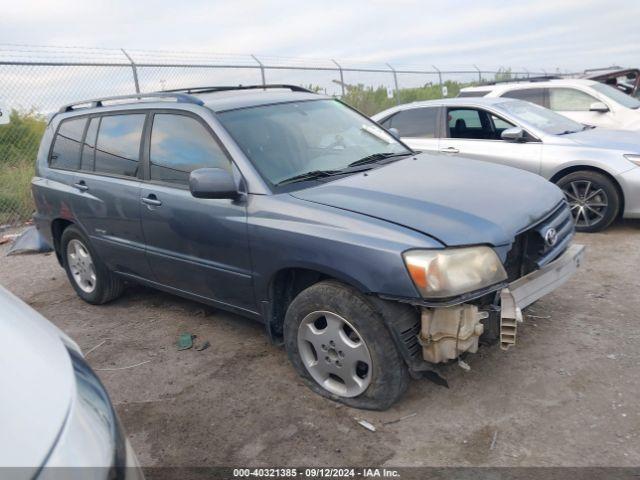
(567, 395)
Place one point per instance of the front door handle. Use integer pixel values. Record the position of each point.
(81, 186)
(449, 150)
(152, 200)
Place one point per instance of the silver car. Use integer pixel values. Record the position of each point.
(597, 169)
(54, 410)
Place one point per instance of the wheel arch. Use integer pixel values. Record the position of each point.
(58, 226)
(590, 168)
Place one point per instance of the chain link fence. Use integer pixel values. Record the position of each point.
(35, 81)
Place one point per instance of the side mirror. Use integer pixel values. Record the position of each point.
(513, 134)
(212, 183)
(598, 107)
(394, 131)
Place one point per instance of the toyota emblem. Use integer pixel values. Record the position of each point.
(551, 237)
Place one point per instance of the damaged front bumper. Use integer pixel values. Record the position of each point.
(526, 290)
(446, 332)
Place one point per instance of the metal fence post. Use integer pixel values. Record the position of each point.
(341, 76)
(527, 72)
(479, 73)
(395, 82)
(261, 69)
(134, 68)
(439, 77)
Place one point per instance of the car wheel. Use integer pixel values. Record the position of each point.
(593, 198)
(91, 279)
(340, 346)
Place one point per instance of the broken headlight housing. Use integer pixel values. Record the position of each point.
(453, 271)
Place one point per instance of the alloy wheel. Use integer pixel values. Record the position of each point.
(588, 202)
(81, 265)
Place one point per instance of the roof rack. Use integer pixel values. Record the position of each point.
(612, 67)
(225, 88)
(541, 78)
(99, 102)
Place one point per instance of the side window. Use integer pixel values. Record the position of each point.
(533, 95)
(569, 100)
(499, 126)
(89, 145)
(415, 122)
(118, 144)
(65, 153)
(180, 144)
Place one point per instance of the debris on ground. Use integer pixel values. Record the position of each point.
(204, 346)
(185, 341)
(109, 369)
(390, 422)
(366, 425)
(493, 442)
(29, 241)
(9, 237)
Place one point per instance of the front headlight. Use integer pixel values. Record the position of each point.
(633, 158)
(453, 271)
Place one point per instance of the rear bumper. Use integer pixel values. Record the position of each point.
(526, 290)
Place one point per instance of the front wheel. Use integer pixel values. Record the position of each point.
(593, 198)
(339, 344)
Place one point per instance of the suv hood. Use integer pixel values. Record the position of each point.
(455, 200)
(624, 140)
(37, 381)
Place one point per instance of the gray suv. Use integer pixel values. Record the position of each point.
(370, 262)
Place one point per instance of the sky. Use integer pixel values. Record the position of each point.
(568, 35)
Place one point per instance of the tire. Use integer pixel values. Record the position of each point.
(594, 199)
(318, 310)
(89, 276)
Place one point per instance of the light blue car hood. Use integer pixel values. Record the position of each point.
(453, 199)
(609, 139)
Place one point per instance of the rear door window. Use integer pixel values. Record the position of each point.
(118, 144)
(570, 100)
(65, 153)
(415, 122)
(179, 145)
(533, 95)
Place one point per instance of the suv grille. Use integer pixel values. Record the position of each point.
(531, 250)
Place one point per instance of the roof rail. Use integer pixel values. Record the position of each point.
(541, 78)
(225, 88)
(99, 102)
(612, 67)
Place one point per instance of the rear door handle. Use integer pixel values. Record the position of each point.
(81, 186)
(152, 200)
(449, 150)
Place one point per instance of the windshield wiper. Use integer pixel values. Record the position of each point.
(312, 175)
(568, 132)
(376, 157)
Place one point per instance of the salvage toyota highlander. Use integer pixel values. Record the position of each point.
(368, 261)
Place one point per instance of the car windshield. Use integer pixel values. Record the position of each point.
(616, 95)
(541, 118)
(308, 138)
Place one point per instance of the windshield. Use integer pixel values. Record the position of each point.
(291, 139)
(616, 95)
(541, 118)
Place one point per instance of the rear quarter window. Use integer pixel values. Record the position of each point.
(65, 153)
(117, 150)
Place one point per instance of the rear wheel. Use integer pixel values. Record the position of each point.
(593, 198)
(340, 346)
(89, 276)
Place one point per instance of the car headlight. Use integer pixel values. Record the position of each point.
(633, 158)
(453, 271)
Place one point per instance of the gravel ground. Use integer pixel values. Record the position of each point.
(567, 395)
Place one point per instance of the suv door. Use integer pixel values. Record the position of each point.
(107, 205)
(418, 127)
(198, 246)
(576, 105)
(475, 133)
